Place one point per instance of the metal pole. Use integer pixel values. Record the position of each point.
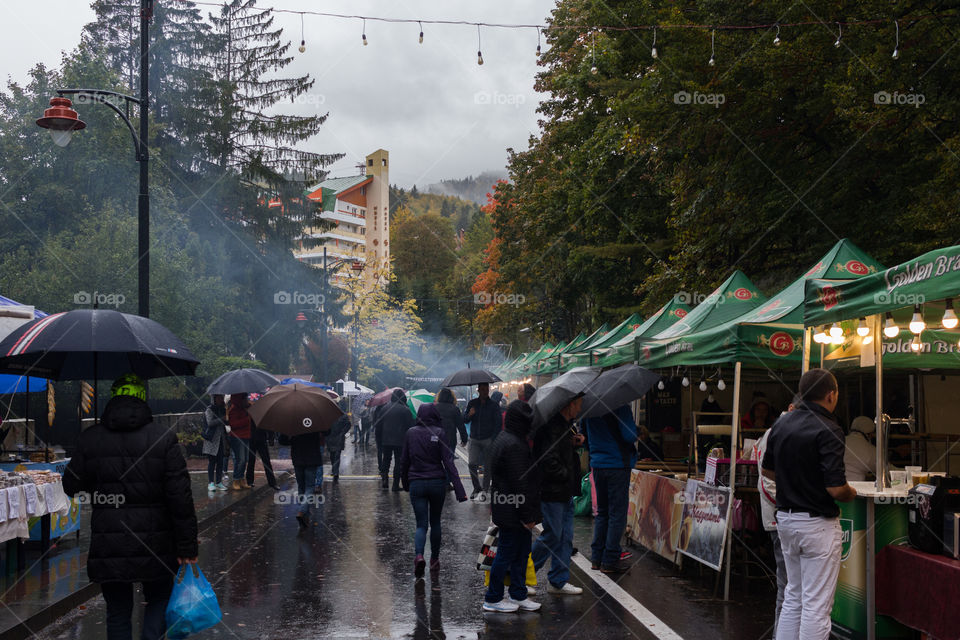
(807, 339)
(143, 200)
(323, 322)
(734, 436)
(882, 476)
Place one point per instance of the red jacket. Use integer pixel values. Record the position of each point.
(238, 418)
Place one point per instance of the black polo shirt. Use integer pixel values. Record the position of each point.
(805, 450)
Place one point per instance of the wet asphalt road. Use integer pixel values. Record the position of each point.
(350, 575)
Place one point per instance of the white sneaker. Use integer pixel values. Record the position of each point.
(526, 605)
(211, 487)
(504, 606)
(567, 590)
(481, 498)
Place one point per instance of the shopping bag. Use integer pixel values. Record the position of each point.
(488, 550)
(582, 504)
(531, 575)
(193, 605)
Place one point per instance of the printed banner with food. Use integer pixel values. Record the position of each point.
(704, 526)
(653, 516)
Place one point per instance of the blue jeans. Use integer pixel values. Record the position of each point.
(613, 489)
(513, 549)
(119, 599)
(319, 480)
(241, 450)
(306, 479)
(427, 497)
(556, 542)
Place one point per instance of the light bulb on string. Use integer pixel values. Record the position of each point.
(303, 41)
(710, 398)
(712, 62)
(917, 325)
(421, 31)
(703, 385)
(916, 345)
(950, 320)
(836, 331)
(721, 385)
(660, 385)
(890, 328)
(364, 33)
(820, 335)
(837, 339)
(868, 339)
(896, 46)
(776, 38)
(862, 328)
(593, 53)
(686, 381)
(839, 35)
(479, 53)
(538, 42)
(653, 49)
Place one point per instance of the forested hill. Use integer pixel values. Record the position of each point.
(469, 188)
(459, 211)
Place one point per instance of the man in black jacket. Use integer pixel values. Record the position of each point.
(306, 454)
(395, 420)
(554, 449)
(515, 509)
(452, 418)
(485, 419)
(143, 522)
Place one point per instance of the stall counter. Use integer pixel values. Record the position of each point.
(60, 524)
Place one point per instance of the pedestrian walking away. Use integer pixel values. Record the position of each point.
(559, 465)
(306, 454)
(804, 457)
(336, 441)
(613, 453)
(259, 447)
(395, 420)
(485, 420)
(453, 426)
(155, 526)
(239, 422)
(426, 464)
(515, 479)
(216, 442)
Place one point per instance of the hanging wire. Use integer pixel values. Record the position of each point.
(538, 42)
(479, 48)
(776, 38)
(365, 43)
(653, 49)
(839, 35)
(593, 52)
(421, 31)
(712, 60)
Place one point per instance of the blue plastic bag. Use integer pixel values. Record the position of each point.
(193, 605)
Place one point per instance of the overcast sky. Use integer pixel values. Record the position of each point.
(437, 112)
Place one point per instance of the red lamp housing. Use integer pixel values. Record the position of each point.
(61, 117)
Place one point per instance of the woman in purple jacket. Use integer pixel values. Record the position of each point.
(425, 465)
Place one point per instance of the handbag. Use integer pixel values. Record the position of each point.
(488, 550)
(192, 606)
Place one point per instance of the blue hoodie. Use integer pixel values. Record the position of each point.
(604, 449)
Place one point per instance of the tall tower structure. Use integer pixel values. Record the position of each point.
(378, 217)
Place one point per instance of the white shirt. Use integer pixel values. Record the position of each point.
(767, 489)
(860, 457)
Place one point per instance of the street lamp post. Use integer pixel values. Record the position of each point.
(62, 121)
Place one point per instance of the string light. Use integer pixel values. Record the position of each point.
(916, 344)
(917, 325)
(836, 331)
(839, 35)
(421, 31)
(538, 42)
(365, 43)
(950, 320)
(660, 385)
(303, 42)
(479, 54)
(862, 328)
(776, 38)
(820, 336)
(712, 60)
(890, 328)
(653, 49)
(721, 385)
(896, 47)
(686, 381)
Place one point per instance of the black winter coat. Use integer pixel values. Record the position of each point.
(514, 481)
(557, 460)
(142, 516)
(452, 422)
(396, 420)
(337, 437)
(307, 450)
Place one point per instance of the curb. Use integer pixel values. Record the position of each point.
(28, 628)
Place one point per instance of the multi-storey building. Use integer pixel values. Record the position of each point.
(360, 207)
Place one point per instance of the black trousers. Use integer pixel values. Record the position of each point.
(260, 448)
(119, 599)
(388, 453)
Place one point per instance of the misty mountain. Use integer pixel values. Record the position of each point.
(469, 188)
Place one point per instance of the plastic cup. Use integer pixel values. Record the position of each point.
(898, 478)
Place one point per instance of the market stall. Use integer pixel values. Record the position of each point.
(901, 317)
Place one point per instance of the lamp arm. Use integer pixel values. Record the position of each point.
(139, 149)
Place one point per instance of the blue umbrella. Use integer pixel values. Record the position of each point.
(306, 383)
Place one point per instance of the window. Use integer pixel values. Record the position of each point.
(384, 162)
(369, 162)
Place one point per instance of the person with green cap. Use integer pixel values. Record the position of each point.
(143, 524)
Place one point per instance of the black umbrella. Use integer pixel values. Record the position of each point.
(95, 343)
(242, 381)
(556, 394)
(467, 377)
(615, 388)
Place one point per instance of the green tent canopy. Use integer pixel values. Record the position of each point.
(733, 298)
(770, 334)
(584, 356)
(624, 349)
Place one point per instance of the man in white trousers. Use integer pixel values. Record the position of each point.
(804, 457)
